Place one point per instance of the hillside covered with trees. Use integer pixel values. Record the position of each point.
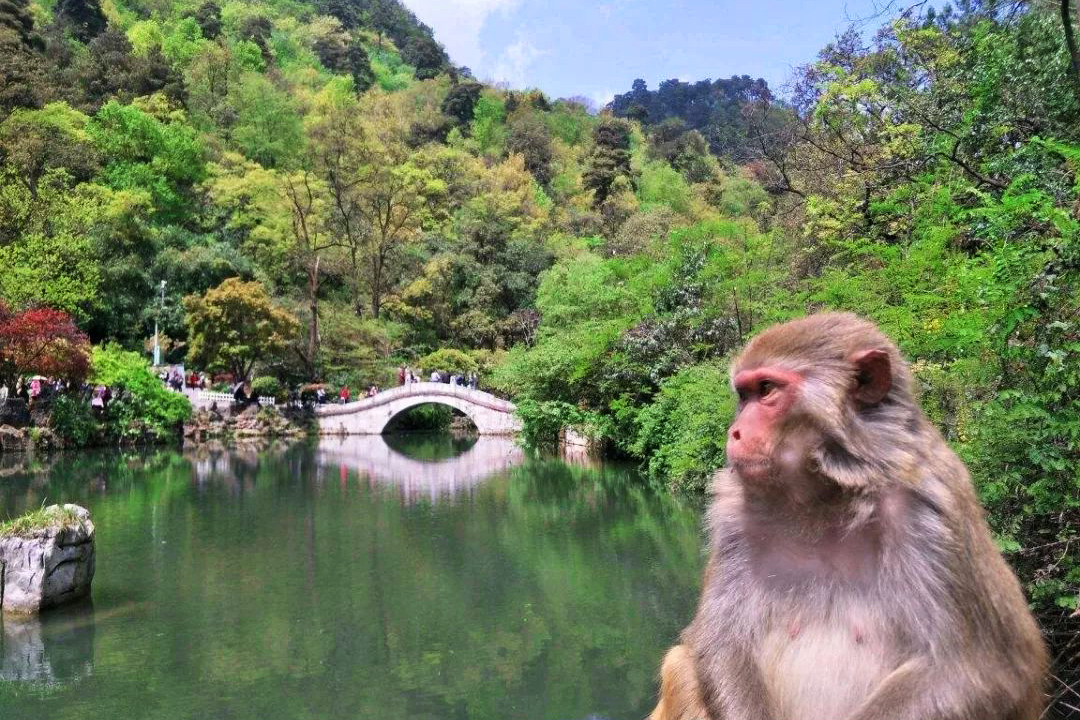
(599, 269)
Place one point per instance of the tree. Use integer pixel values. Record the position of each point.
(209, 18)
(17, 22)
(426, 55)
(235, 325)
(84, 18)
(258, 29)
(380, 197)
(110, 70)
(610, 158)
(460, 102)
(22, 64)
(144, 153)
(530, 137)
(35, 142)
(307, 199)
(714, 108)
(42, 341)
(358, 64)
(268, 127)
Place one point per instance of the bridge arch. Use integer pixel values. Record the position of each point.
(370, 416)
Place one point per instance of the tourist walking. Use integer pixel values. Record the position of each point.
(401, 375)
(343, 396)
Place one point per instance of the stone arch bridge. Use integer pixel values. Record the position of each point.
(370, 416)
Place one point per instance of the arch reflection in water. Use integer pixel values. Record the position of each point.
(418, 477)
(56, 647)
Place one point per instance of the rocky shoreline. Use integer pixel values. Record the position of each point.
(250, 421)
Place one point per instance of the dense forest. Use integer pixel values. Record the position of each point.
(326, 196)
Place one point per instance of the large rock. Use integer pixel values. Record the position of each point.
(15, 412)
(49, 565)
(12, 439)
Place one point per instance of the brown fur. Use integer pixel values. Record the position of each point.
(865, 588)
(679, 696)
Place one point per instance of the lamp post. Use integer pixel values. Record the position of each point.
(157, 316)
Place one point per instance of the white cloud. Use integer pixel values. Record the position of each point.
(457, 25)
(512, 65)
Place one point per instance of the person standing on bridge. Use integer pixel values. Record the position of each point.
(402, 377)
(435, 377)
(343, 396)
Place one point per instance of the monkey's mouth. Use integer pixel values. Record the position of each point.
(754, 465)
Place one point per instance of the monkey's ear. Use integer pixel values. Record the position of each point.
(874, 376)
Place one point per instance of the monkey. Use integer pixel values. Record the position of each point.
(851, 572)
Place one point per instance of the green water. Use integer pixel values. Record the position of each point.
(424, 578)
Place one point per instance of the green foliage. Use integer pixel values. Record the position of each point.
(683, 431)
(543, 421)
(269, 128)
(449, 360)
(610, 159)
(143, 153)
(235, 325)
(391, 72)
(488, 124)
(184, 42)
(714, 110)
(661, 185)
(141, 407)
(266, 386)
(430, 417)
(71, 418)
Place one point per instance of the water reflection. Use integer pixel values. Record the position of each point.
(266, 582)
(56, 647)
(421, 467)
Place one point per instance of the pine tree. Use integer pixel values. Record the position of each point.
(610, 158)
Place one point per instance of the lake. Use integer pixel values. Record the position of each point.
(362, 577)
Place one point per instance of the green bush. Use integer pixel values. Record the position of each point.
(142, 407)
(543, 420)
(449, 360)
(682, 433)
(73, 420)
(266, 386)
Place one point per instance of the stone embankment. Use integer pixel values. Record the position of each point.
(13, 439)
(49, 562)
(250, 421)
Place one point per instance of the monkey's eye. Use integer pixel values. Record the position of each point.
(765, 388)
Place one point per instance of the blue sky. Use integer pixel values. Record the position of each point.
(596, 48)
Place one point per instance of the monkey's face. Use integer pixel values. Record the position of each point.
(756, 448)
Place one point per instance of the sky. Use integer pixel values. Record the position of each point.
(596, 48)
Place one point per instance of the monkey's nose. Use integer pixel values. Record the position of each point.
(735, 435)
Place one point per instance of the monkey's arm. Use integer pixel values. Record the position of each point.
(732, 687)
(919, 690)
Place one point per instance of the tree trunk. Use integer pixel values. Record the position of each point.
(313, 326)
(1070, 42)
(376, 286)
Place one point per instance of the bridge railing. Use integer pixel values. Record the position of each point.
(420, 389)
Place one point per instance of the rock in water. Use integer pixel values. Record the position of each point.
(49, 564)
